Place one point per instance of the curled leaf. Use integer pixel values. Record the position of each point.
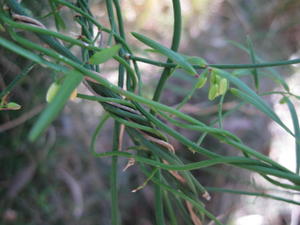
(12, 106)
(196, 60)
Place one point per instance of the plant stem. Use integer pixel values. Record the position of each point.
(220, 66)
(17, 79)
(175, 44)
(115, 217)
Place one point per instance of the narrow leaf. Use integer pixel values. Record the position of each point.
(59, 22)
(52, 91)
(256, 100)
(73, 79)
(273, 73)
(295, 119)
(179, 59)
(195, 60)
(104, 55)
(253, 59)
(29, 55)
(258, 103)
(21, 51)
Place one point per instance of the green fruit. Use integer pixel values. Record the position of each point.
(52, 91)
(213, 92)
(223, 85)
(213, 77)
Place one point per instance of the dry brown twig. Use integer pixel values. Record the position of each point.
(196, 220)
(28, 20)
(22, 119)
(160, 142)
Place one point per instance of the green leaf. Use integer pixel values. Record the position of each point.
(104, 55)
(10, 106)
(258, 103)
(272, 73)
(179, 59)
(295, 119)
(30, 55)
(73, 79)
(250, 96)
(21, 51)
(59, 22)
(195, 60)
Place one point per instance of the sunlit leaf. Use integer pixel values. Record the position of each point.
(176, 57)
(104, 55)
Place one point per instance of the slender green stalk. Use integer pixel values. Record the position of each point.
(170, 210)
(96, 23)
(220, 112)
(184, 197)
(220, 66)
(280, 184)
(295, 120)
(105, 99)
(119, 18)
(175, 44)
(253, 58)
(102, 122)
(256, 194)
(158, 201)
(235, 160)
(135, 125)
(164, 108)
(117, 129)
(115, 216)
(147, 131)
(17, 79)
(111, 18)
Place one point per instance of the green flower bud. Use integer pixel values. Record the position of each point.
(213, 92)
(201, 82)
(223, 85)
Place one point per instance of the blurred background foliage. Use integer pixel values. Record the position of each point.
(57, 181)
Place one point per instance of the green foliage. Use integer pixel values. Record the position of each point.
(167, 170)
(104, 55)
(176, 57)
(72, 80)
